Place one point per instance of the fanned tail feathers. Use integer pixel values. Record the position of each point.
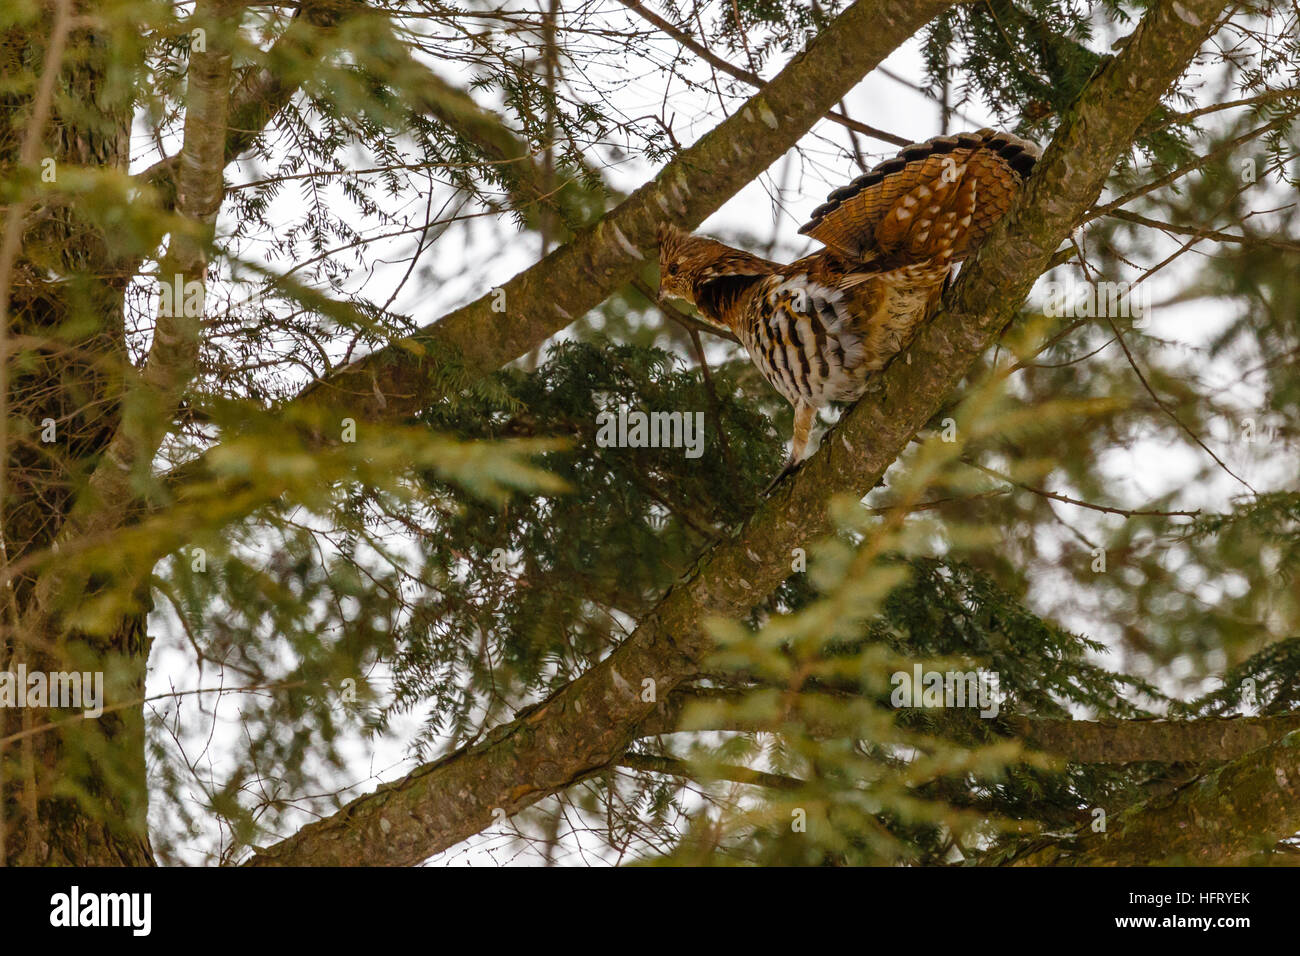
(935, 200)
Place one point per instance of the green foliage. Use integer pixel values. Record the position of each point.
(1266, 684)
(1028, 61)
(554, 580)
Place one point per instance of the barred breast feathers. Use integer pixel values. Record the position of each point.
(804, 335)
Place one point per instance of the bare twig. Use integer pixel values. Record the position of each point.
(748, 76)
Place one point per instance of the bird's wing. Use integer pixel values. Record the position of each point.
(888, 307)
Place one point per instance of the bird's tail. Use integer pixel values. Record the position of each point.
(935, 200)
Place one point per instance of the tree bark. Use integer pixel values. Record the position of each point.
(1201, 741)
(60, 803)
(77, 795)
(1223, 818)
(1205, 740)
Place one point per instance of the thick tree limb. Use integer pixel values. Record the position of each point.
(1201, 741)
(1206, 740)
(1223, 817)
(107, 499)
(587, 725)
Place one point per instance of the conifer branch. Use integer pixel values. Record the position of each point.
(587, 726)
(1200, 741)
(748, 76)
(1204, 740)
(266, 92)
(531, 186)
(1223, 817)
(672, 767)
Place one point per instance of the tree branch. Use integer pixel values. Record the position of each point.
(747, 76)
(673, 767)
(1286, 245)
(1223, 817)
(268, 91)
(106, 501)
(1206, 740)
(1110, 741)
(491, 135)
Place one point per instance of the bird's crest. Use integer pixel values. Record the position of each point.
(707, 273)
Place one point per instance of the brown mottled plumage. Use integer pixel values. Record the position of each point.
(819, 327)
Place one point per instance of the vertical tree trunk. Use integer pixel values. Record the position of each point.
(75, 795)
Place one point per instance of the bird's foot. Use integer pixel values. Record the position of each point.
(791, 466)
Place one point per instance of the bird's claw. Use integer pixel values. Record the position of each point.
(791, 466)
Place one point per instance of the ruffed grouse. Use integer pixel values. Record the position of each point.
(821, 326)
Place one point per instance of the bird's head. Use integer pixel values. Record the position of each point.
(682, 256)
(689, 264)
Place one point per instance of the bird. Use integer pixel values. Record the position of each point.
(819, 328)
